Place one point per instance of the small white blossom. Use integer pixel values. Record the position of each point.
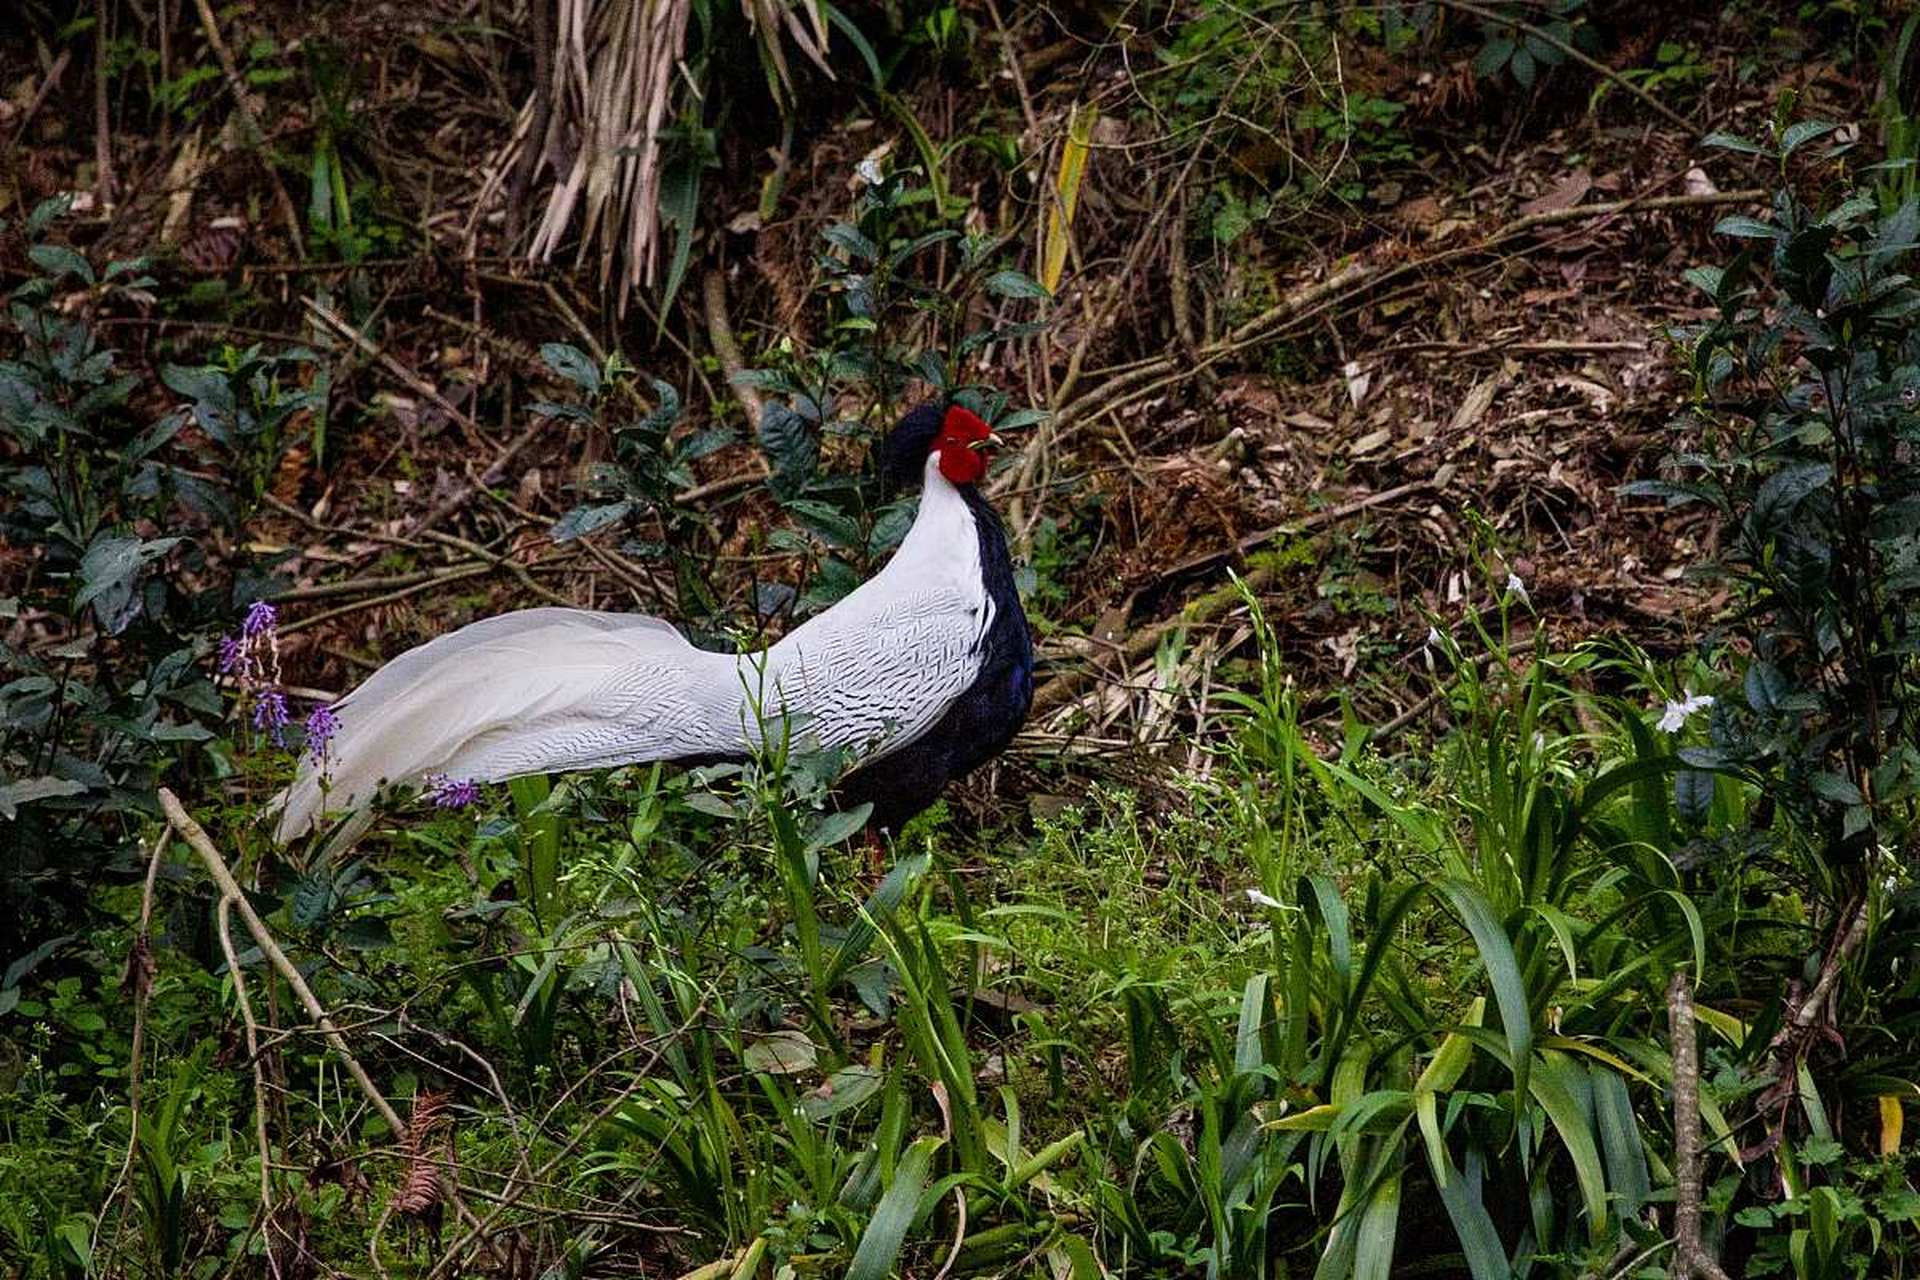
(1435, 639)
(1260, 899)
(1517, 589)
(1676, 714)
(868, 171)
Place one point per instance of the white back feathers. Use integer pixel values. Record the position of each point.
(552, 690)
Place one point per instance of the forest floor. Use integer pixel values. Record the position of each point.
(1493, 366)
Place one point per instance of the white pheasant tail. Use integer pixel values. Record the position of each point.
(551, 690)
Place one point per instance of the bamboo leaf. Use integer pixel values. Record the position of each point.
(1066, 195)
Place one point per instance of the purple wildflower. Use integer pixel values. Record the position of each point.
(231, 653)
(270, 715)
(322, 724)
(451, 793)
(260, 619)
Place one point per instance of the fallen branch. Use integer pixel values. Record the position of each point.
(202, 844)
(720, 338)
(391, 597)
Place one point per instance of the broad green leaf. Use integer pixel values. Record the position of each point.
(1798, 135)
(572, 364)
(1503, 971)
(1733, 142)
(1379, 1224)
(880, 1244)
(57, 260)
(1693, 795)
(835, 827)
(846, 1089)
(583, 520)
(1620, 1140)
(1747, 228)
(29, 790)
(1014, 284)
(791, 449)
(1472, 1224)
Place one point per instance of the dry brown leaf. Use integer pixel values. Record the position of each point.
(1566, 193)
(1475, 406)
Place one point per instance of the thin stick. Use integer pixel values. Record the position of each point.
(222, 920)
(720, 338)
(1345, 285)
(47, 82)
(365, 586)
(413, 380)
(1690, 1257)
(513, 567)
(217, 867)
(102, 118)
(249, 123)
(140, 980)
(202, 844)
(445, 575)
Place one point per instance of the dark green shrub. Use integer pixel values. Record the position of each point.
(109, 597)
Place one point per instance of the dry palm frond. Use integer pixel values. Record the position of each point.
(622, 75)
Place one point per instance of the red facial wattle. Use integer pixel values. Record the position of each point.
(961, 446)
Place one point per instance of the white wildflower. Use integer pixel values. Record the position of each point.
(1435, 639)
(1260, 899)
(1676, 714)
(1517, 589)
(868, 171)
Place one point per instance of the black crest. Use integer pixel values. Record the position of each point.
(903, 454)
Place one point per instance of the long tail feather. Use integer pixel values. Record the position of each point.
(527, 692)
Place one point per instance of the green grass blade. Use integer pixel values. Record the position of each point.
(1379, 1224)
(1556, 1084)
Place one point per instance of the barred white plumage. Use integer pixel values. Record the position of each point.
(550, 690)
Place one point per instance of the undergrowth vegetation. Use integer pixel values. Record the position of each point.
(1599, 962)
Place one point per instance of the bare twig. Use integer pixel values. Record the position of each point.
(137, 984)
(47, 82)
(720, 336)
(1065, 686)
(1846, 944)
(202, 844)
(102, 118)
(223, 922)
(366, 586)
(513, 567)
(1355, 280)
(391, 597)
(1690, 1257)
(249, 123)
(413, 380)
